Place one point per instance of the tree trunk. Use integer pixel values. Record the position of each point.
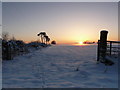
(41, 39)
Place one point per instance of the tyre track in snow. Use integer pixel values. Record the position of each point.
(42, 70)
(39, 69)
(54, 67)
(41, 63)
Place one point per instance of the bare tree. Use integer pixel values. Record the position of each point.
(5, 36)
(13, 38)
(42, 34)
(46, 38)
(53, 42)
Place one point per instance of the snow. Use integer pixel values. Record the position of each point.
(0, 65)
(55, 67)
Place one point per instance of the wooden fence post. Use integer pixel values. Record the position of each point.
(103, 43)
(110, 48)
(9, 53)
(98, 51)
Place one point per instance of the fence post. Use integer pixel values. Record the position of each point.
(103, 43)
(9, 54)
(98, 51)
(110, 47)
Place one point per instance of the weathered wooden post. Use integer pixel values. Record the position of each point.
(9, 54)
(110, 47)
(103, 43)
(98, 51)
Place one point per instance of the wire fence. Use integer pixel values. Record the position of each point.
(112, 49)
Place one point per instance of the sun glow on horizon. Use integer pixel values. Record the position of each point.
(80, 42)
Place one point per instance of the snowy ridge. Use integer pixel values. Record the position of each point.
(55, 67)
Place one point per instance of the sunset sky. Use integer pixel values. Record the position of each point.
(65, 22)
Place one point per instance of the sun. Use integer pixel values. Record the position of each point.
(80, 42)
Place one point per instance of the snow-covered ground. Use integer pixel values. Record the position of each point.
(0, 65)
(55, 67)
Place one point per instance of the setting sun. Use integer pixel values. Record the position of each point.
(80, 42)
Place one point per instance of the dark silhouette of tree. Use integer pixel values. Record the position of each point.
(13, 38)
(42, 34)
(5, 36)
(4, 49)
(47, 39)
(53, 42)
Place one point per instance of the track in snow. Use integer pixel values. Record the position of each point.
(55, 67)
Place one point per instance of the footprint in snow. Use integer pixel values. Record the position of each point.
(84, 74)
(52, 64)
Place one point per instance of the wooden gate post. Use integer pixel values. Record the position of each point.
(103, 43)
(9, 53)
(98, 51)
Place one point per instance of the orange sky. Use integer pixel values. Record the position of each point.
(63, 22)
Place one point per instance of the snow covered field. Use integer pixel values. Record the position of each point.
(55, 67)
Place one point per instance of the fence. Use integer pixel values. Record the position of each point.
(107, 48)
(112, 49)
(12, 48)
